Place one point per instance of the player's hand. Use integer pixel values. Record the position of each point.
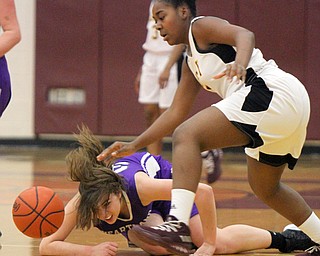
(163, 78)
(136, 83)
(233, 70)
(205, 249)
(236, 70)
(116, 150)
(104, 249)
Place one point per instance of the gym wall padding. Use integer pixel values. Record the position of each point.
(67, 57)
(97, 48)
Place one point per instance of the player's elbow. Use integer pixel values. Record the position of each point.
(43, 247)
(204, 191)
(250, 37)
(17, 37)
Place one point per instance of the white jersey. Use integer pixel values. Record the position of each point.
(271, 106)
(206, 65)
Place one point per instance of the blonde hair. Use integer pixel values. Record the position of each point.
(96, 179)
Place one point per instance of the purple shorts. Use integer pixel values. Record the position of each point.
(5, 85)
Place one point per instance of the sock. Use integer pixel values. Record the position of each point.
(181, 204)
(278, 241)
(312, 227)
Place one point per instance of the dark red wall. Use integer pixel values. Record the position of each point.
(97, 48)
(67, 56)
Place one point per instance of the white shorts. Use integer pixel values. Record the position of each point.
(150, 92)
(273, 110)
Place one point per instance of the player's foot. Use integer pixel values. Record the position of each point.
(173, 235)
(212, 164)
(296, 240)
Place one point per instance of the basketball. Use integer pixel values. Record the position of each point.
(38, 212)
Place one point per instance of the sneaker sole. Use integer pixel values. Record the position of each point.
(155, 239)
(303, 254)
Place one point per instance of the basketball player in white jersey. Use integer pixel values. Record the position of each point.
(263, 109)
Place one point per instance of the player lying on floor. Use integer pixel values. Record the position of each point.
(136, 191)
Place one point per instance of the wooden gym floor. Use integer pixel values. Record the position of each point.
(23, 167)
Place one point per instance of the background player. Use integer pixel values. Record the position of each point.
(8, 39)
(157, 80)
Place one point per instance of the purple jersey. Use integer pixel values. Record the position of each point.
(156, 167)
(5, 85)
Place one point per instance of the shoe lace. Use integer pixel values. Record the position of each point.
(312, 249)
(169, 226)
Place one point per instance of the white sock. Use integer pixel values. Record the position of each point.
(181, 204)
(312, 227)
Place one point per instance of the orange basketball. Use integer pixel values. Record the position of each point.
(38, 212)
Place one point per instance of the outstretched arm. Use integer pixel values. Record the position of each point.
(9, 23)
(205, 202)
(55, 244)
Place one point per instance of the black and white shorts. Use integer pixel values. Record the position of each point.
(273, 109)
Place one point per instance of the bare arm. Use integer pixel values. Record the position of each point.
(207, 210)
(173, 58)
(211, 30)
(136, 83)
(9, 23)
(55, 244)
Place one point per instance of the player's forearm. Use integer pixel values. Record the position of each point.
(245, 42)
(207, 210)
(63, 248)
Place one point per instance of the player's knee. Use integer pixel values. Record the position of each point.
(182, 134)
(265, 192)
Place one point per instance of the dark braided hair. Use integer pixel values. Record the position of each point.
(177, 3)
(96, 179)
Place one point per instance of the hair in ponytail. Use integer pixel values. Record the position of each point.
(96, 180)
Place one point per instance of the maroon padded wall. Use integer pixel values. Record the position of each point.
(97, 47)
(312, 62)
(278, 34)
(124, 31)
(67, 48)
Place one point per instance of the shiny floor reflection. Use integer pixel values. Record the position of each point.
(24, 167)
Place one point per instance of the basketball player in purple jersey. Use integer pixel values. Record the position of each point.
(8, 39)
(136, 192)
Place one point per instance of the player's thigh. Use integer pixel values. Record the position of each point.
(263, 178)
(211, 129)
